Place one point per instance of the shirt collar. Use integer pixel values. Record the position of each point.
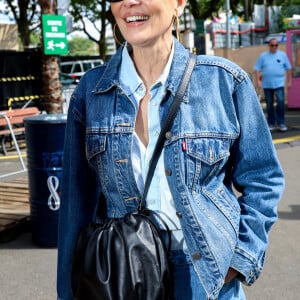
(164, 75)
(128, 71)
(129, 78)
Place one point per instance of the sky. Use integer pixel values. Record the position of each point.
(4, 19)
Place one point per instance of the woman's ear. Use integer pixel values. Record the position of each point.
(180, 7)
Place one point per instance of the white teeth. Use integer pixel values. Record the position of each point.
(136, 18)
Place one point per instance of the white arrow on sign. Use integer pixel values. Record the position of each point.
(61, 45)
(51, 45)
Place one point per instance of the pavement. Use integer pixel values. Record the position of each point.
(28, 272)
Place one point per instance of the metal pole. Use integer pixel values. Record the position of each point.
(228, 44)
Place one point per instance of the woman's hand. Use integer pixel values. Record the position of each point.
(231, 274)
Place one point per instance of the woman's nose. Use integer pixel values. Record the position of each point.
(129, 3)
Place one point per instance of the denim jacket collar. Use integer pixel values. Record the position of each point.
(110, 77)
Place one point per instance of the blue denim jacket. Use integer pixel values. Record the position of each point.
(221, 165)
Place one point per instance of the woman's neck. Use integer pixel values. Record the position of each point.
(150, 62)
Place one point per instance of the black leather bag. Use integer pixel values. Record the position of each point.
(126, 258)
(123, 258)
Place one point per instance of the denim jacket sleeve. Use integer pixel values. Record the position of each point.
(79, 193)
(258, 176)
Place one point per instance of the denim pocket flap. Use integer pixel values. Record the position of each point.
(95, 144)
(208, 150)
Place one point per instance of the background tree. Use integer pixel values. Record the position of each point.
(290, 7)
(52, 98)
(204, 9)
(97, 14)
(25, 13)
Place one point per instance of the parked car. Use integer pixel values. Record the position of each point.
(280, 37)
(73, 70)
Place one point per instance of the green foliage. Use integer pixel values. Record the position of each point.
(98, 13)
(35, 38)
(203, 9)
(86, 8)
(27, 13)
(82, 46)
(288, 11)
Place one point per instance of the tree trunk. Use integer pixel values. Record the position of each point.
(102, 41)
(52, 98)
(23, 23)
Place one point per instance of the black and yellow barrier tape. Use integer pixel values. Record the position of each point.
(21, 98)
(17, 78)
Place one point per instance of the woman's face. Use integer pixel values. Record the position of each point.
(146, 22)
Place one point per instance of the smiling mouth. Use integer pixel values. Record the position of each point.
(136, 19)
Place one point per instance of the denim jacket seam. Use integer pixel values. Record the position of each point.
(238, 74)
(77, 115)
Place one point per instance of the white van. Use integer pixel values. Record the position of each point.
(75, 69)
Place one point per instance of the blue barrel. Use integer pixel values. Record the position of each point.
(45, 136)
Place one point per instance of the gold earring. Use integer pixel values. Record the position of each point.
(177, 29)
(115, 34)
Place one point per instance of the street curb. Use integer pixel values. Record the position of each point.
(286, 140)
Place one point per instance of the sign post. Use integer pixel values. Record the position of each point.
(54, 35)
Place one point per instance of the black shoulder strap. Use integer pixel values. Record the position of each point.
(167, 125)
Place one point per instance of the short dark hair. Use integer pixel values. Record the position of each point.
(272, 39)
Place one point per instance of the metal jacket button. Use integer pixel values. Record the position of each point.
(168, 172)
(168, 135)
(196, 256)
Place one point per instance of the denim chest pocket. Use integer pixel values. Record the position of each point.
(204, 157)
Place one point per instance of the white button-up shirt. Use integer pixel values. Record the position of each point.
(159, 197)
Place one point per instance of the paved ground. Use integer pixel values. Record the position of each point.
(29, 272)
(281, 276)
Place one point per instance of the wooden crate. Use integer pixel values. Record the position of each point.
(14, 207)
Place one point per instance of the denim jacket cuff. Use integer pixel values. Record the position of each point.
(247, 267)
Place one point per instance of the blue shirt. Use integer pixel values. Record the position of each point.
(159, 197)
(273, 67)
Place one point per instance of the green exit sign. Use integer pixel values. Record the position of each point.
(54, 34)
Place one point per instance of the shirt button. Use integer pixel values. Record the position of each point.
(196, 256)
(168, 135)
(168, 172)
(154, 103)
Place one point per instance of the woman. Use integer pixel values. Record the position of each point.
(219, 142)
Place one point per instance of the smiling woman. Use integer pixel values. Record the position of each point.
(218, 239)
